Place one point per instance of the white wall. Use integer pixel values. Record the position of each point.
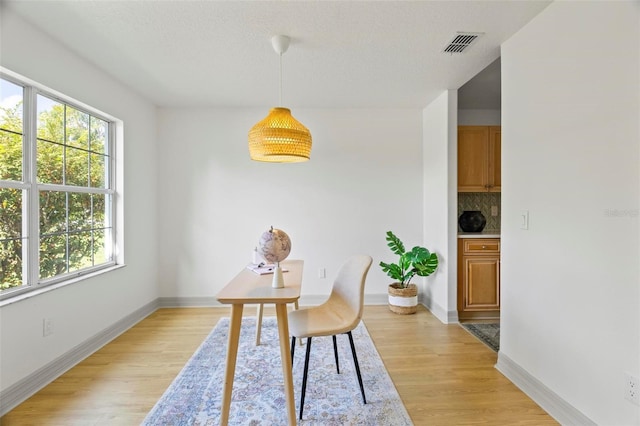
(440, 203)
(83, 309)
(570, 284)
(364, 178)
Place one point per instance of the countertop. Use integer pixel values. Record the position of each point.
(478, 235)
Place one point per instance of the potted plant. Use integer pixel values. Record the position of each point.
(403, 296)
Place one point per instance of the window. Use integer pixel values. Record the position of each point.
(56, 188)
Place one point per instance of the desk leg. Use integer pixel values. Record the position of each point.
(232, 352)
(259, 323)
(285, 355)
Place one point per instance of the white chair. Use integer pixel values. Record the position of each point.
(340, 314)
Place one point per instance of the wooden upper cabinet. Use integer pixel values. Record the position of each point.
(473, 145)
(479, 151)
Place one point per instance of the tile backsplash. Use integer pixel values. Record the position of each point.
(481, 201)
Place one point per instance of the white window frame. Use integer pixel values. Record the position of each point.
(32, 284)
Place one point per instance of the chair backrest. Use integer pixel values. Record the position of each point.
(348, 287)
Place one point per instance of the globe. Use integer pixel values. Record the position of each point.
(274, 245)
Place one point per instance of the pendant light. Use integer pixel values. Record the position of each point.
(279, 138)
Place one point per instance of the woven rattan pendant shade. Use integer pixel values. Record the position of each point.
(279, 138)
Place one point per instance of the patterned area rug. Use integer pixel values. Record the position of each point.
(195, 396)
(487, 333)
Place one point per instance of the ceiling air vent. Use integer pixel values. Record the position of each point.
(460, 42)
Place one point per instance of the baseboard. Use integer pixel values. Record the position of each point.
(558, 408)
(188, 302)
(452, 317)
(481, 315)
(446, 317)
(23, 389)
(376, 299)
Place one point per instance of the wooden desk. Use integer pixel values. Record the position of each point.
(249, 287)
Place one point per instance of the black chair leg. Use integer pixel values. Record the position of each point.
(355, 361)
(304, 376)
(335, 352)
(293, 349)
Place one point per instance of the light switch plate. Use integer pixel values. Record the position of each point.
(322, 273)
(524, 219)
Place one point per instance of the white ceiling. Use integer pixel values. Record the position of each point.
(343, 54)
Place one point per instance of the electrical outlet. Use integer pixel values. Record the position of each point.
(47, 327)
(631, 388)
(322, 273)
(494, 211)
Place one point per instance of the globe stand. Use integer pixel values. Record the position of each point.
(278, 279)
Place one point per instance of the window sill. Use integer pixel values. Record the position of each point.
(33, 293)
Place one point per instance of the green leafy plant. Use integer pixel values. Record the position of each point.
(418, 261)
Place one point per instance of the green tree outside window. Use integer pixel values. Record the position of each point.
(71, 151)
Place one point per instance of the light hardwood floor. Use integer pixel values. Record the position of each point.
(443, 374)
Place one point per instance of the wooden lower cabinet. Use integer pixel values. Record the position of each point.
(478, 278)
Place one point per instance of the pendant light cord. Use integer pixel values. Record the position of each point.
(280, 104)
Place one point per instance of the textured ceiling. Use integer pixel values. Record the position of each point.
(343, 53)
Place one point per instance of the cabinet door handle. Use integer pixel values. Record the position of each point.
(484, 247)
